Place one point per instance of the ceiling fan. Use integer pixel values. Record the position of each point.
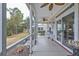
(50, 5)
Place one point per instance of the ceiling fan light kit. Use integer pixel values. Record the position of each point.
(50, 5)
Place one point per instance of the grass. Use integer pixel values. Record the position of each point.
(12, 39)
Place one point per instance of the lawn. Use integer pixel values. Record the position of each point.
(12, 39)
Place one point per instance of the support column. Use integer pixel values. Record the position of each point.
(76, 22)
(61, 32)
(35, 30)
(55, 30)
(2, 29)
(30, 29)
(36, 27)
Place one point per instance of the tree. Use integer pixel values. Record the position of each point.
(27, 22)
(16, 18)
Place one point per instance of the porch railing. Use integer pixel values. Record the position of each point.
(22, 41)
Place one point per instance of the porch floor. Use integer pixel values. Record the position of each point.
(47, 47)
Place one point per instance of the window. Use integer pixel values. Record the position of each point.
(59, 30)
(41, 31)
(68, 22)
(40, 28)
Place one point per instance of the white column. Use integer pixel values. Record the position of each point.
(30, 29)
(35, 28)
(76, 20)
(35, 31)
(61, 32)
(36, 25)
(0, 27)
(55, 33)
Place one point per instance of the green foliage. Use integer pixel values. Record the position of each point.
(27, 23)
(16, 24)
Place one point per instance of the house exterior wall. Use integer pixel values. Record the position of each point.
(74, 9)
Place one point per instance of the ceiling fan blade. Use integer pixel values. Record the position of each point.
(50, 6)
(59, 4)
(45, 4)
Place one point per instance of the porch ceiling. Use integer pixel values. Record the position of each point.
(44, 12)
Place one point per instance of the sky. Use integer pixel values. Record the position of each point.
(21, 6)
